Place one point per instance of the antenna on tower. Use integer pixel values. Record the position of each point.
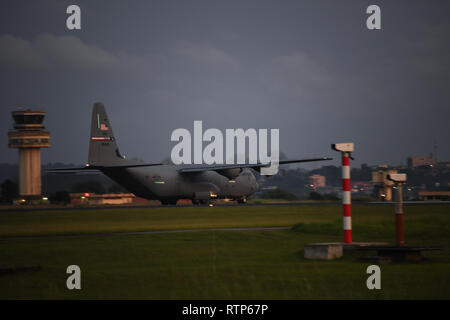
(435, 148)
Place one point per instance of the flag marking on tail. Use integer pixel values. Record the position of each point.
(102, 139)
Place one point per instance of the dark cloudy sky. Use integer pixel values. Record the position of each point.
(310, 68)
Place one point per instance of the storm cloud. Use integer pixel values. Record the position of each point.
(311, 69)
(47, 51)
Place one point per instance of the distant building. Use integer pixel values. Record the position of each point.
(434, 195)
(419, 161)
(444, 164)
(317, 181)
(361, 186)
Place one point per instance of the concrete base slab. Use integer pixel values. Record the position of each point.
(333, 250)
(357, 245)
(323, 251)
(401, 254)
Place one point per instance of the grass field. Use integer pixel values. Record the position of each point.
(216, 264)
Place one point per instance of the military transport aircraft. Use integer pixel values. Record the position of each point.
(168, 182)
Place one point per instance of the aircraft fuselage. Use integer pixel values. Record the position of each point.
(165, 183)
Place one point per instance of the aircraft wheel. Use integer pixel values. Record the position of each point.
(242, 200)
(168, 202)
(199, 202)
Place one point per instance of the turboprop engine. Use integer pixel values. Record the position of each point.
(230, 173)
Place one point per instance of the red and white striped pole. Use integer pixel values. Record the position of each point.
(346, 197)
(399, 216)
(399, 179)
(346, 149)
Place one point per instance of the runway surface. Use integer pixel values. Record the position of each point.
(109, 207)
(143, 233)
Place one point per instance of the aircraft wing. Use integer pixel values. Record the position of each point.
(256, 166)
(183, 168)
(69, 169)
(99, 167)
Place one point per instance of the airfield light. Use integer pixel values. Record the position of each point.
(343, 147)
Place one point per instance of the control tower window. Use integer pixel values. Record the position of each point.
(28, 119)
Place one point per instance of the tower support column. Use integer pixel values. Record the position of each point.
(30, 172)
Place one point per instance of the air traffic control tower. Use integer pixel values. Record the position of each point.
(29, 136)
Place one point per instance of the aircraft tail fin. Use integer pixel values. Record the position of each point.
(103, 149)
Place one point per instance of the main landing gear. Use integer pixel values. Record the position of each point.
(197, 202)
(170, 202)
(242, 200)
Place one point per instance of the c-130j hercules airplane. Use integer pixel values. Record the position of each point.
(168, 182)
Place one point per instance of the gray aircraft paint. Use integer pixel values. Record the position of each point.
(162, 182)
(167, 183)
